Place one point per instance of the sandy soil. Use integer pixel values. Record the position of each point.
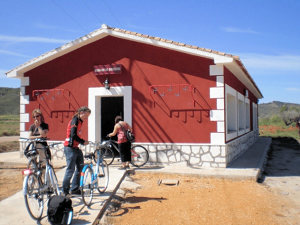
(276, 200)
(11, 181)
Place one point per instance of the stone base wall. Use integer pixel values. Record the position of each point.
(195, 155)
(238, 146)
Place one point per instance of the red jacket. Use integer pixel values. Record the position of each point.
(73, 138)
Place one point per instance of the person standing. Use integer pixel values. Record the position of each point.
(124, 145)
(74, 156)
(39, 129)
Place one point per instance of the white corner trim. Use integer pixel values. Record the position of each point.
(220, 103)
(22, 90)
(22, 126)
(25, 81)
(24, 134)
(24, 118)
(215, 70)
(220, 126)
(216, 92)
(24, 99)
(216, 115)
(220, 81)
(22, 108)
(94, 98)
(217, 138)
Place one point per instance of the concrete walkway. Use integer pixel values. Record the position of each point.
(13, 210)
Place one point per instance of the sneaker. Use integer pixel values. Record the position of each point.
(76, 192)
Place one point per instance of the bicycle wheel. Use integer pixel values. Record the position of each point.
(34, 199)
(139, 155)
(54, 182)
(87, 188)
(103, 177)
(107, 154)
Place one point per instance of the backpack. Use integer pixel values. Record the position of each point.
(60, 210)
(128, 134)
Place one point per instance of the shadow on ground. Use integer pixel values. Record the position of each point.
(283, 158)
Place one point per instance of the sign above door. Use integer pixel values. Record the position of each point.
(108, 69)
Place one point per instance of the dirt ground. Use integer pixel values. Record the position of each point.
(196, 200)
(275, 200)
(11, 181)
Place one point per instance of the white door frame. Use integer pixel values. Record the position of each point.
(95, 94)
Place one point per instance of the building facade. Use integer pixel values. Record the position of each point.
(185, 103)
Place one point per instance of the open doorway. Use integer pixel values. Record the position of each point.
(110, 108)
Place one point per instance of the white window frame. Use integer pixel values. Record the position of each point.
(241, 114)
(247, 104)
(231, 113)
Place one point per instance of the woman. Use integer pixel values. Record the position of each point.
(124, 145)
(74, 156)
(39, 129)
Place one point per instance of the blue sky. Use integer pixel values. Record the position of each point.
(264, 33)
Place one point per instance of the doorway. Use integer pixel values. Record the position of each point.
(110, 108)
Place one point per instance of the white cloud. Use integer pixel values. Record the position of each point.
(292, 89)
(32, 39)
(279, 63)
(239, 30)
(5, 52)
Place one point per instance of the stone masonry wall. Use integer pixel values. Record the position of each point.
(195, 155)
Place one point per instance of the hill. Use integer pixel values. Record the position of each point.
(9, 101)
(275, 108)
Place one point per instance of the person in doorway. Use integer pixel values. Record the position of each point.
(124, 145)
(74, 156)
(39, 129)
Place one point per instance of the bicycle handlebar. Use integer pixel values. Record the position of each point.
(35, 139)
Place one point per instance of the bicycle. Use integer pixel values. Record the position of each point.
(139, 154)
(34, 187)
(94, 176)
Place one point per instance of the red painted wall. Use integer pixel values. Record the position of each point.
(166, 116)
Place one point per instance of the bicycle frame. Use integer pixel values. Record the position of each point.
(95, 171)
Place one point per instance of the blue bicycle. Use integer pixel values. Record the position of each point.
(93, 176)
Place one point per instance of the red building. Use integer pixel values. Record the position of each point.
(184, 103)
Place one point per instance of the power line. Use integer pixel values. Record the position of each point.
(70, 16)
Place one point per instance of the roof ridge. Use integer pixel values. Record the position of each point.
(104, 26)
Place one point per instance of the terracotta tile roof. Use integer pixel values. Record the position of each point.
(170, 41)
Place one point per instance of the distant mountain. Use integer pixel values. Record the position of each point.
(9, 101)
(275, 108)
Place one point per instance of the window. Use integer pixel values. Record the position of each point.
(247, 114)
(231, 113)
(237, 113)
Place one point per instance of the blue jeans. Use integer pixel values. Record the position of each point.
(75, 163)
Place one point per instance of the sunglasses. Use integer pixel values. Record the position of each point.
(36, 116)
